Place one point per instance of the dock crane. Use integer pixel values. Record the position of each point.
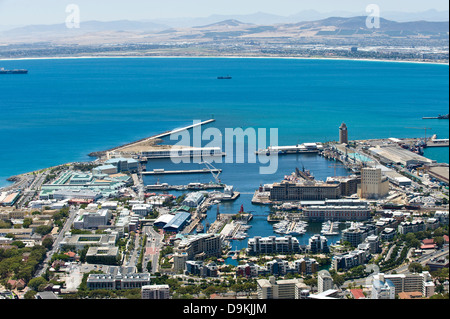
(422, 128)
(212, 169)
(335, 165)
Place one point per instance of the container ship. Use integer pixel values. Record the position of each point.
(17, 71)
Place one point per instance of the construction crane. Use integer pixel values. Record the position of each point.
(335, 165)
(422, 128)
(212, 169)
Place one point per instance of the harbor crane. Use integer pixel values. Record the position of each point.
(422, 128)
(336, 165)
(212, 169)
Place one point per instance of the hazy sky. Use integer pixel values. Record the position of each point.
(24, 12)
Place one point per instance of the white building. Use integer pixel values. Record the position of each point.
(142, 209)
(382, 288)
(410, 282)
(155, 292)
(86, 219)
(324, 281)
(193, 199)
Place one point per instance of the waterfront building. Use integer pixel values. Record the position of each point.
(177, 152)
(178, 222)
(105, 169)
(200, 246)
(308, 190)
(337, 213)
(410, 282)
(273, 244)
(118, 281)
(373, 184)
(324, 281)
(396, 155)
(277, 289)
(193, 199)
(318, 244)
(343, 134)
(124, 164)
(155, 292)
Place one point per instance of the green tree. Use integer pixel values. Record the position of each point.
(37, 284)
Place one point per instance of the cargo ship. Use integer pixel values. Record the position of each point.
(440, 117)
(16, 71)
(224, 77)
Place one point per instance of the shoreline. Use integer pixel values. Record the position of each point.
(219, 57)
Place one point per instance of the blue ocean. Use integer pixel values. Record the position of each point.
(66, 108)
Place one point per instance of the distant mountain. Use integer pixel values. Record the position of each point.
(262, 18)
(88, 26)
(225, 23)
(139, 31)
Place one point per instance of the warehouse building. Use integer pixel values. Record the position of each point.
(178, 222)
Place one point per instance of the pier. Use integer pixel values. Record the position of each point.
(186, 171)
(153, 140)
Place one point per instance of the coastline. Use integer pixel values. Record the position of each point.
(219, 57)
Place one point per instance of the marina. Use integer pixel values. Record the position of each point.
(330, 228)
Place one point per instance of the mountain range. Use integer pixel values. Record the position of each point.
(151, 31)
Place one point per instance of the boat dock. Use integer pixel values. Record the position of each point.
(186, 171)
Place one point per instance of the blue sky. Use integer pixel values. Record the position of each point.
(24, 12)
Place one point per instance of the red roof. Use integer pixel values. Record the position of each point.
(432, 246)
(445, 238)
(357, 293)
(428, 241)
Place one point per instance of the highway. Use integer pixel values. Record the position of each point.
(152, 248)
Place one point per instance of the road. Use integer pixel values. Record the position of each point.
(152, 248)
(58, 239)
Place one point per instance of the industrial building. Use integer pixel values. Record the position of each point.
(193, 199)
(178, 222)
(374, 184)
(398, 155)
